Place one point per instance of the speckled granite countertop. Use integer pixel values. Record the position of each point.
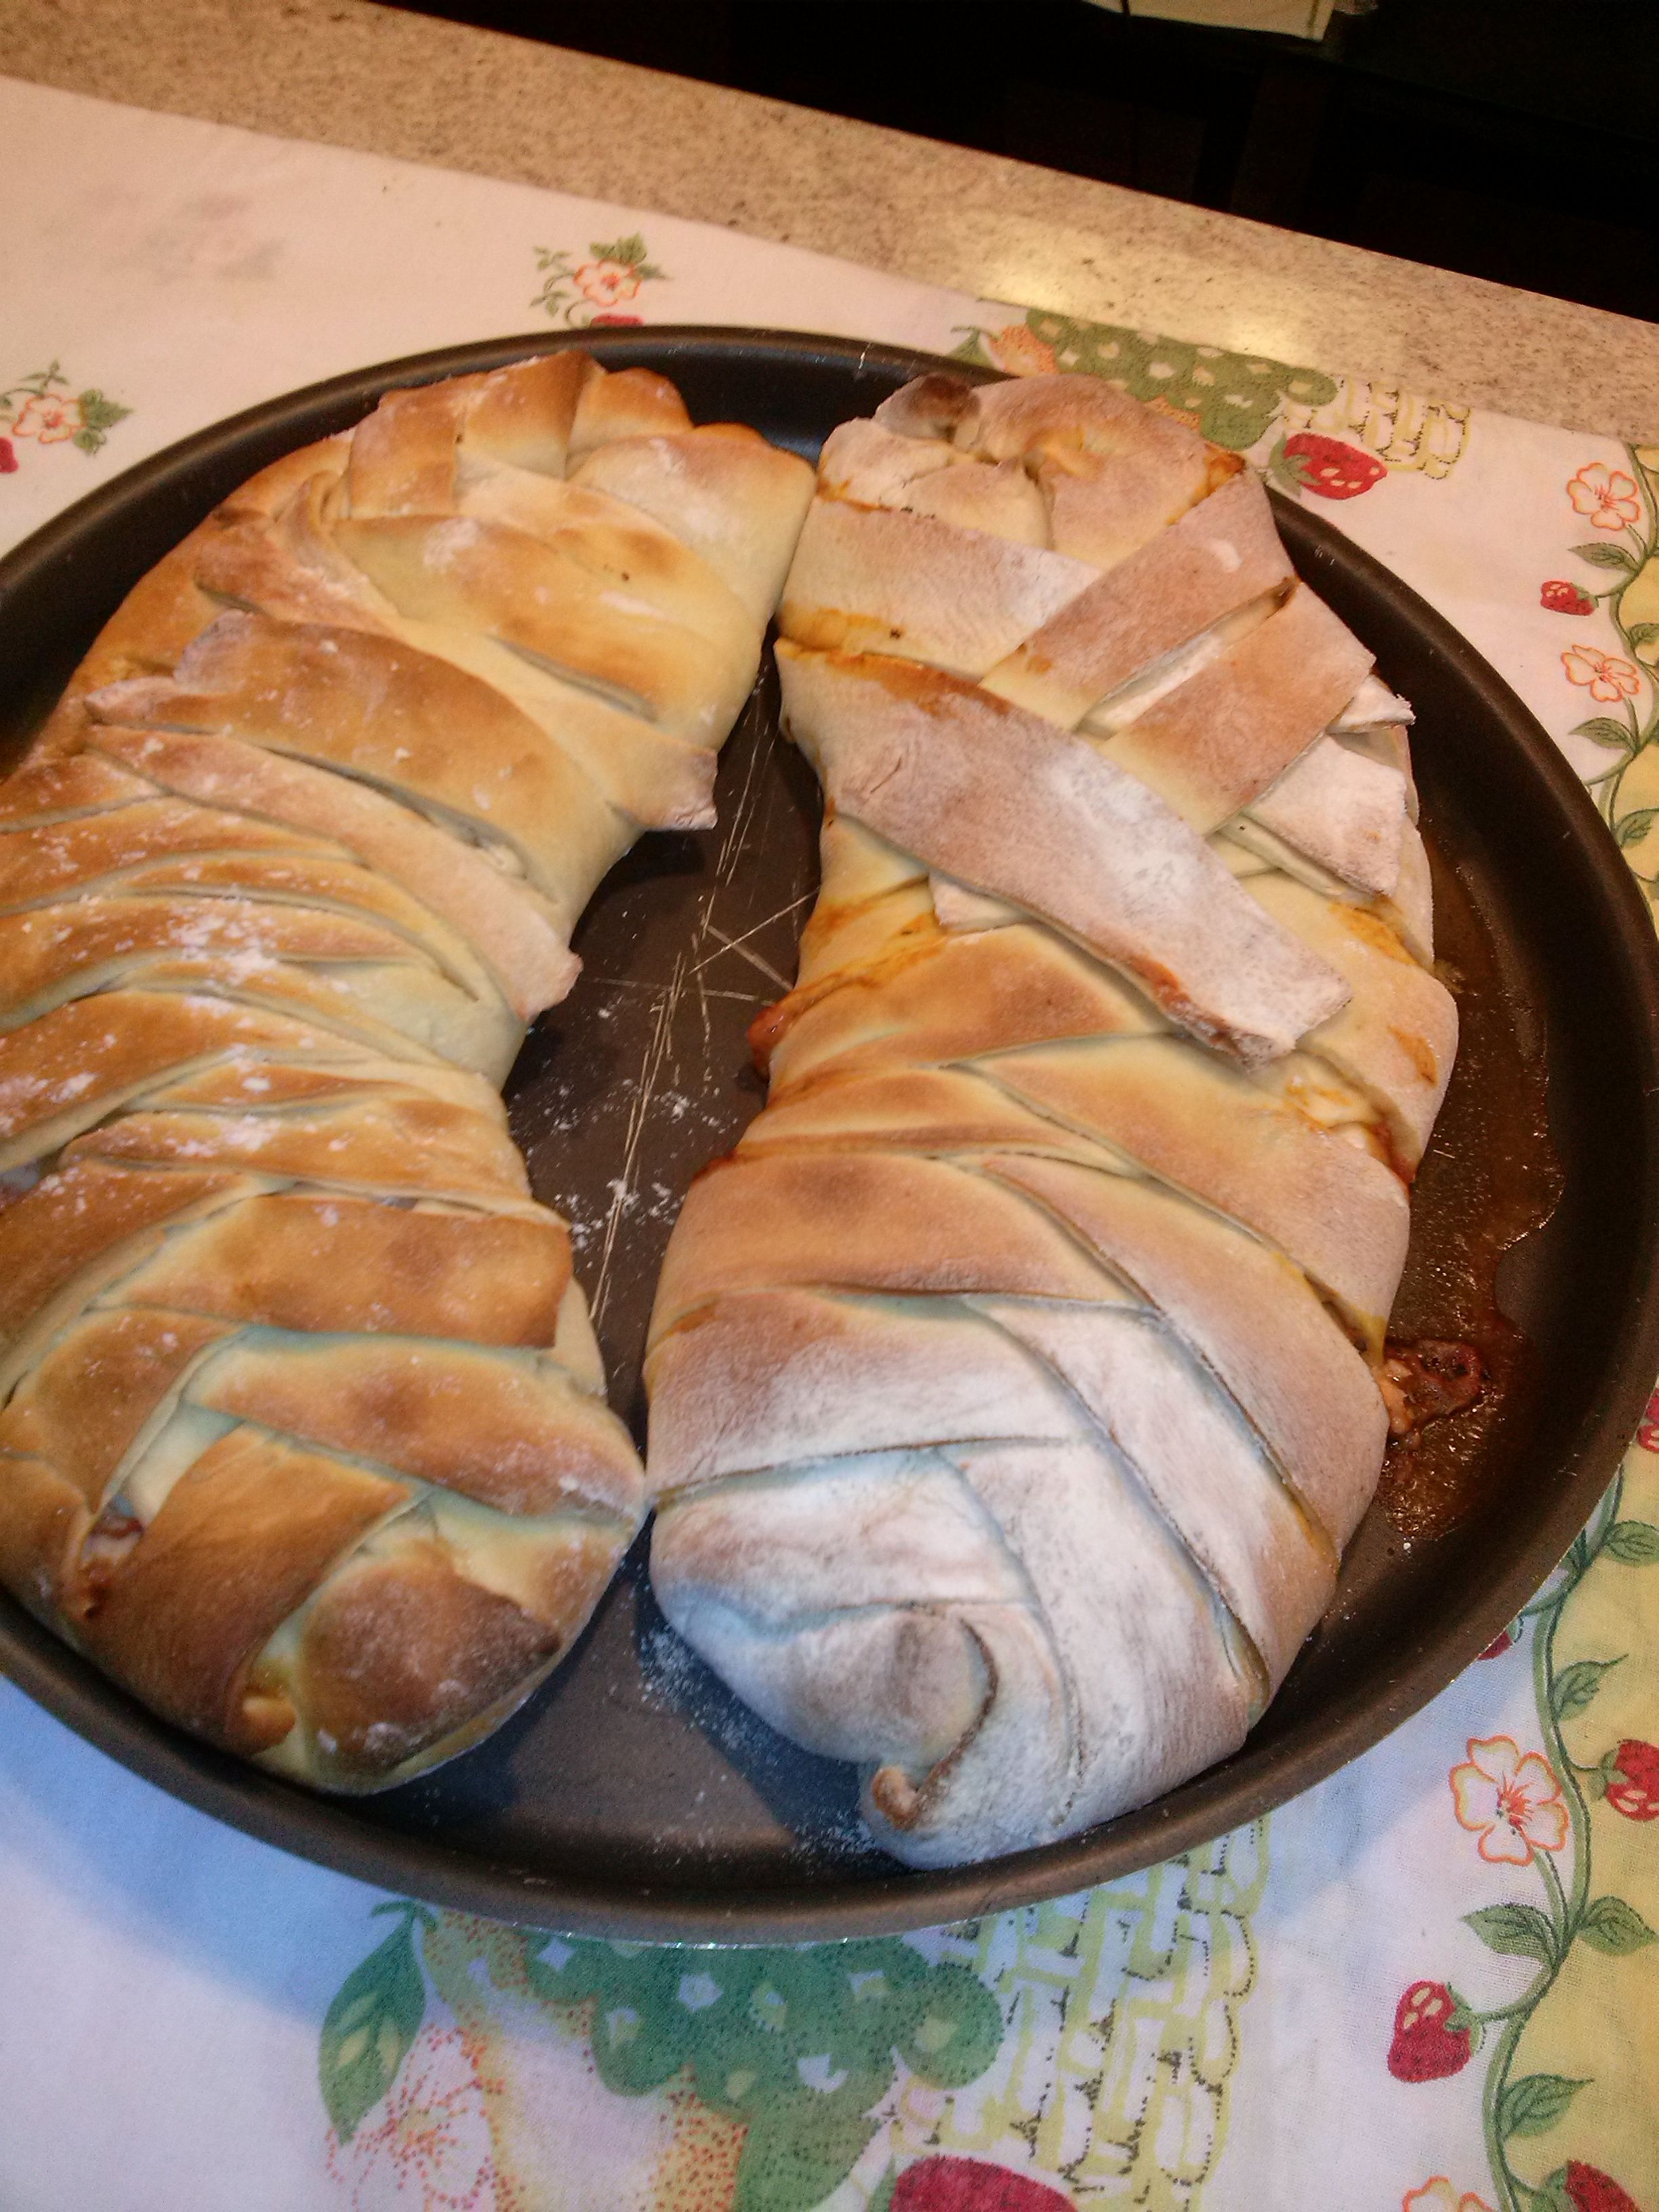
(354, 74)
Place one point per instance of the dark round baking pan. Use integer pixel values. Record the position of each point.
(633, 1796)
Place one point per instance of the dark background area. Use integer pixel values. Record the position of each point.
(1513, 139)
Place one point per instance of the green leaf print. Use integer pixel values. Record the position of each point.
(1230, 398)
(370, 2025)
(98, 414)
(1604, 556)
(1533, 2103)
(629, 250)
(1576, 1686)
(954, 2029)
(1605, 730)
(800, 2063)
(1633, 1543)
(1288, 471)
(1632, 828)
(641, 2019)
(792, 2159)
(799, 2045)
(1611, 1925)
(1519, 1931)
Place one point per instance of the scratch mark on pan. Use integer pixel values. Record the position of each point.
(632, 983)
(707, 912)
(703, 1009)
(741, 814)
(704, 914)
(744, 952)
(732, 944)
(656, 1052)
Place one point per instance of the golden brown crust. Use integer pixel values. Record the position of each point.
(512, 930)
(85, 1218)
(736, 501)
(44, 1521)
(875, 580)
(371, 1137)
(68, 1068)
(396, 1655)
(347, 1264)
(940, 996)
(306, 1441)
(370, 709)
(168, 607)
(244, 1533)
(83, 1406)
(511, 1432)
(540, 603)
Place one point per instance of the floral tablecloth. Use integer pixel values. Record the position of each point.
(1432, 1983)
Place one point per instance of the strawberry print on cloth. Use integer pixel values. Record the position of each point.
(969, 2185)
(1561, 2025)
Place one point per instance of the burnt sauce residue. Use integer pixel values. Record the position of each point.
(1457, 1363)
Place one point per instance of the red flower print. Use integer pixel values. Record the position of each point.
(1589, 2190)
(1425, 2049)
(1513, 1804)
(1439, 2195)
(1609, 678)
(1563, 599)
(613, 322)
(8, 457)
(1499, 1644)
(605, 283)
(1633, 1785)
(1020, 351)
(1607, 495)
(1330, 468)
(1648, 1435)
(968, 2185)
(47, 417)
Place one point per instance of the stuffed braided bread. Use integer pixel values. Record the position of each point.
(304, 1437)
(1017, 1382)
